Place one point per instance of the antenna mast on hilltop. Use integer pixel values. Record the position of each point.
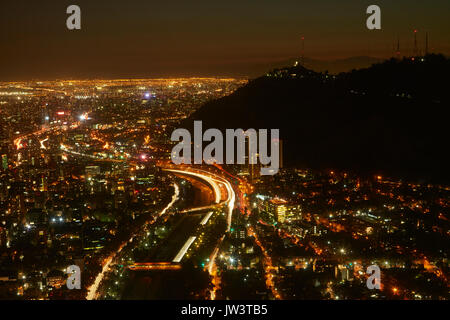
(397, 52)
(415, 53)
(426, 43)
(303, 52)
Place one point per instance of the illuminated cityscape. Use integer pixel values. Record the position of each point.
(332, 133)
(86, 179)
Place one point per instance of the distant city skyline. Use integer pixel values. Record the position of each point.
(145, 39)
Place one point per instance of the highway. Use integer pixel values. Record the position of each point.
(109, 261)
(188, 223)
(214, 180)
(161, 275)
(178, 244)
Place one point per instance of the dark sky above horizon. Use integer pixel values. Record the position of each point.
(147, 38)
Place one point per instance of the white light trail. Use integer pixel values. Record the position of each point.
(213, 206)
(42, 143)
(93, 289)
(211, 181)
(175, 197)
(184, 249)
(206, 218)
(214, 183)
(230, 200)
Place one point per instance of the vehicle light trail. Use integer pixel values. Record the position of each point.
(268, 266)
(213, 180)
(230, 200)
(41, 142)
(212, 270)
(93, 289)
(213, 206)
(206, 218)
(145, 266)
(184, 249)
(175, 197)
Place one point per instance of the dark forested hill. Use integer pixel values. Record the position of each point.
(389, 118)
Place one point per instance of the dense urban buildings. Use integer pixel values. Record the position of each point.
(86, 180)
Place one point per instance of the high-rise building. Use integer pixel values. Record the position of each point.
(282, 211)
(92, 171)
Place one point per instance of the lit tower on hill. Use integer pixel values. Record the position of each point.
(416, 51)
(397, 52)
(303, 52)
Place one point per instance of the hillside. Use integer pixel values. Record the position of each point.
(389, 118)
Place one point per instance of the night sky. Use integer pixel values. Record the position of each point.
(146, 38)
